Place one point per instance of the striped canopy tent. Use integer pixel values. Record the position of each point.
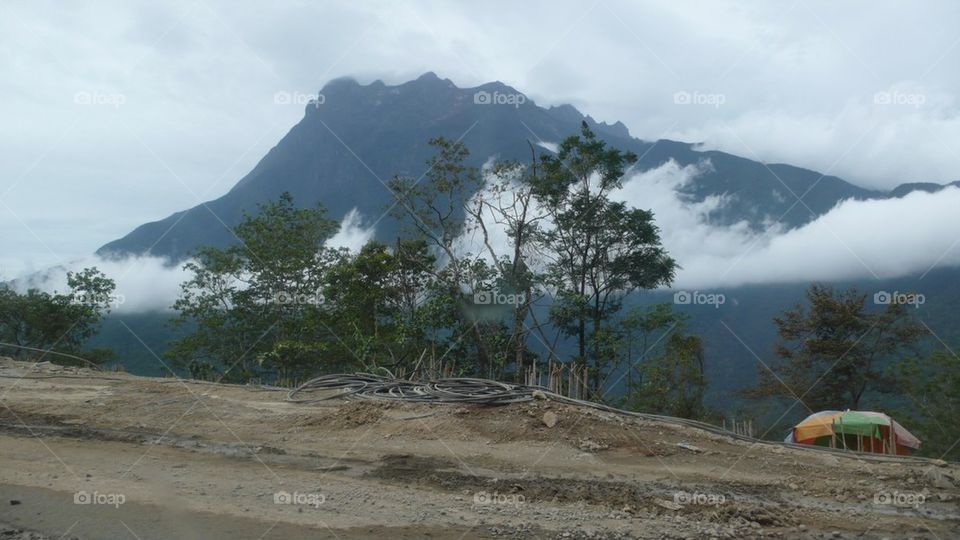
(862, 431)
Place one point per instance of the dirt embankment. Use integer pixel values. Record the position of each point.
(104, 455)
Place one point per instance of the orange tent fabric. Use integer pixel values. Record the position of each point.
(815, 426)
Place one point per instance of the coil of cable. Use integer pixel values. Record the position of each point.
(451, 390)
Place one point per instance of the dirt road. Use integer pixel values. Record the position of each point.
(106, 455)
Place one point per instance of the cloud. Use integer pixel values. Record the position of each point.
(142, 283)
(352, 234)
(151, 283)
(551, 146)
(856, 239)
(901, 133)
(492, 195)
(875, 239)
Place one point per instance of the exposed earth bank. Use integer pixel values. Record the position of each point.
(93, 455)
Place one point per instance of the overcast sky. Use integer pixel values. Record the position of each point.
(115, 114)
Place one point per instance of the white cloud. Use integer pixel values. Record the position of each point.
(352, 234)
(142, 283)
(551, 146)
(472, 240)
(857, 239)
(897, 134)
(885, 238)
(684, 229)
(150, 283)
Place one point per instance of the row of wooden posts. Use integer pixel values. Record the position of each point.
(889, 444)
(427, 369)
(565, 379)
(739, 427)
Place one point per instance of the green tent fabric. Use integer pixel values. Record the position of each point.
(857, 423)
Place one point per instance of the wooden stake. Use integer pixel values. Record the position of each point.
(842, 434)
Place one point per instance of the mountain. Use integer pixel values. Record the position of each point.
(345, 148)
(929, 187)
(356, 137)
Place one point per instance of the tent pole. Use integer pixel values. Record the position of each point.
(843, 435)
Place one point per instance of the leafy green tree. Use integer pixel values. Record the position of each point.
(665, 365)
(259, 296)
(281, 305)
(834, 350)
(642, 334)
(598, 250)
(672, 383)
(507, 202)
(434, 207)
(387, 307)
(58, 322)
(376, 302)
(931, 384)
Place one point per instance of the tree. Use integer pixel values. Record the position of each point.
(259, 297)
(376, 304)
(434, 208)
(672, 383)
(669, 363)
(58, 322)
(930, 385)
(283, 306)
(508, 203)
(600, 250)
(832, 352)
(642, 334)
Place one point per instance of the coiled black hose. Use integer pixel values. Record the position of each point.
(452, 390)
